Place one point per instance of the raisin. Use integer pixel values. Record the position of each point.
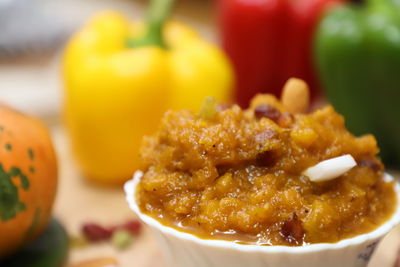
(133, 226)
(292, 231)
(266, 159)
(375, 166)
(95, 232)
(266, 111)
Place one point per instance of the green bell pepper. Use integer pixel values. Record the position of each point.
(357, 52)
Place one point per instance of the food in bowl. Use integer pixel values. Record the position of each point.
(272, 174)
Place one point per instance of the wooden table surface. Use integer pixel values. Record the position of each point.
(79, 201)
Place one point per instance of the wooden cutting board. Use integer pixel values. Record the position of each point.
(79, 202)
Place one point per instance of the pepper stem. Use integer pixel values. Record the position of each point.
(156, 17)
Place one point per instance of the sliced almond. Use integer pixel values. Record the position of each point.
(98, 262)
(330, 169)
(296, 96)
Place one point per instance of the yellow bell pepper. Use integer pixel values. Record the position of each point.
(121, 76)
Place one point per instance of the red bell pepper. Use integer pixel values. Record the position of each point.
(270, 41)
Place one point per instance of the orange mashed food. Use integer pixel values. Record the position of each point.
(237, 175)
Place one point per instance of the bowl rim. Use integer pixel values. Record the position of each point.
(130, 192)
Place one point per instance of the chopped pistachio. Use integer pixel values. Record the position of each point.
(121, 239)
(78, 241)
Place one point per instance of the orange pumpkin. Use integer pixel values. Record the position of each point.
(28, 179)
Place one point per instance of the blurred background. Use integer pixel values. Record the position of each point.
(34, 34)
(86, 72)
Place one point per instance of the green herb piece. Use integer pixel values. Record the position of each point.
(209, 108)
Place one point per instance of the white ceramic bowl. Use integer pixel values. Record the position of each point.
(186, 250)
